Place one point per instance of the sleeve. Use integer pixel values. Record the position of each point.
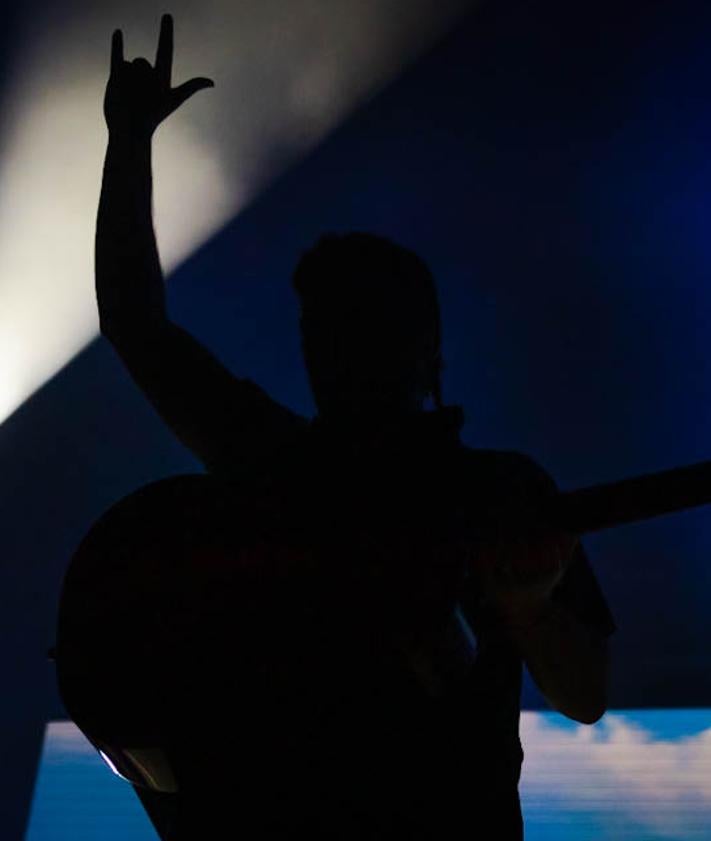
(578, 590)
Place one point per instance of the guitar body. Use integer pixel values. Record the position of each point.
(168, 614)
(196, 616)
(210, 635)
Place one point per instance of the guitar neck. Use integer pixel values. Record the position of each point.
(630, 500)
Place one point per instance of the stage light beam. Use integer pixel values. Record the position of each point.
(285, 74)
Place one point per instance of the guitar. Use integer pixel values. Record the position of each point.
(189, 594)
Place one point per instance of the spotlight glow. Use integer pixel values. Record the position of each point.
(285, 75)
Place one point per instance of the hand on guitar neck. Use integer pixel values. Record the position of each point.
(520, 569)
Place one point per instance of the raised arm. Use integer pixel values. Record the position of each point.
(208, 408)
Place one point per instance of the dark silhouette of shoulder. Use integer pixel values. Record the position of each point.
(501, 476)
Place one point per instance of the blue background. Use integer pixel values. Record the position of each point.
(551, 162)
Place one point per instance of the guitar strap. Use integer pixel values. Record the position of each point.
(447, 659)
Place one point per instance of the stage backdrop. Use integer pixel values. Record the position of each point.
(551, 162)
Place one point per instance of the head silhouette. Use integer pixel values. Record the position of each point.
(370, 327)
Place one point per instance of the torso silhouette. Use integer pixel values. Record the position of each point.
(389, 701)
(381, 734)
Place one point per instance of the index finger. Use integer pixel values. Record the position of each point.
(164, 53)
(116, 50)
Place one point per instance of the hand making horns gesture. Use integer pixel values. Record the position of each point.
(139, 97)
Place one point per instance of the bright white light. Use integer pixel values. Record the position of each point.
(111, 765)
(285, 74)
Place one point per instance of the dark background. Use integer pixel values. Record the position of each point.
(551, 162)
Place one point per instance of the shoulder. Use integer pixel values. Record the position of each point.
(488, 483)
(509, 467)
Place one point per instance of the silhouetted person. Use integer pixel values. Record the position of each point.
(411, 730)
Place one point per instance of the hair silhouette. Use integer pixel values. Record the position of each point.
(376, 298)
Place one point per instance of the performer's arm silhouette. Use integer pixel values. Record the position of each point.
(209, 409)
(548, 600)
(568, 658)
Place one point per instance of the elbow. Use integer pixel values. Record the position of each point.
(592, 716)
(106, 327)
(586, 705)
(584, 713)
(118, 335)
(113, 322)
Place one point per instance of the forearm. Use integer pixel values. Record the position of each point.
(129, 280)
(566, 660)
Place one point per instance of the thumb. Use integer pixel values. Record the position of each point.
(186, 90)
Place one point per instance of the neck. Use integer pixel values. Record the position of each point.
(391, 429)
(371, 421)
